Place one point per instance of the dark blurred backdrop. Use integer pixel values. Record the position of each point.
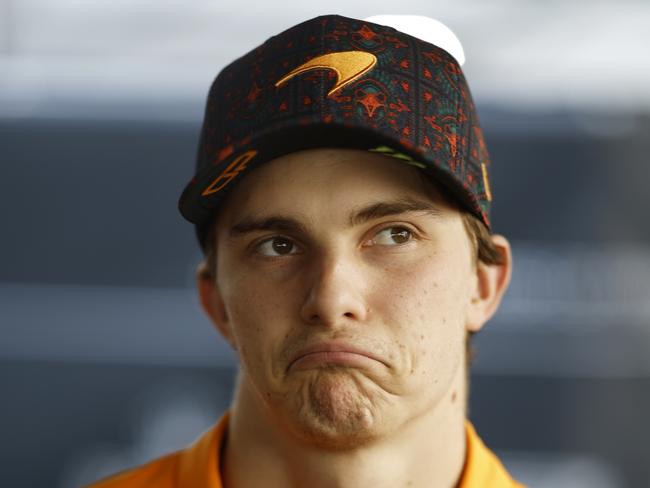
(105, 358)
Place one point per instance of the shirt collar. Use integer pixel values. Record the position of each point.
(199, 464)
(482, 467)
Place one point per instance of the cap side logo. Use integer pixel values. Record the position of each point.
(348, 66)
(486, 182)
(230, 173)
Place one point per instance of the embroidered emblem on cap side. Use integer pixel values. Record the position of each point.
(230, 173)
(486, 182)
(348, 66)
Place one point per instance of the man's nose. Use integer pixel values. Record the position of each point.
(335, 292)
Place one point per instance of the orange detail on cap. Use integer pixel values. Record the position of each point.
(253, 93)
(348, 66)
(233, 169)
(224, 153)
(486, 182)
(366, 33)
(452, 139)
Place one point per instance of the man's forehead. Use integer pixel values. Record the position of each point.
(348, 180)
(296, 204)
(337, 166)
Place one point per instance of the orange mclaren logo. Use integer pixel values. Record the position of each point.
(227, 175)
(348, 66)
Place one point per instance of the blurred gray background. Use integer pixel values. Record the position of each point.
(105, 358)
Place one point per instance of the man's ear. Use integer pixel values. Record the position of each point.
(212, 302)
(491, 283)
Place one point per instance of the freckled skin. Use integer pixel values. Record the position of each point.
(404, 303)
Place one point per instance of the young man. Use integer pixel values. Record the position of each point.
(342, 200)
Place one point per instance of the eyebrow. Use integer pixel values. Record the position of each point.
(364, 214)
(395, 207)
(279, 224)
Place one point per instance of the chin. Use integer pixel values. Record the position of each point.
(338, 410)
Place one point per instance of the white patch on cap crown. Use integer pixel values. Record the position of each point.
(426, 29)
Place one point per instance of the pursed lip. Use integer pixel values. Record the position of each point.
(329, 350)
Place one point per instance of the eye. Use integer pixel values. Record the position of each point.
(276, 246)
(393, 236)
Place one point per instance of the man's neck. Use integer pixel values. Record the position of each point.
(429, 451)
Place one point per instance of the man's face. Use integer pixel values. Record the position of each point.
(344, 282)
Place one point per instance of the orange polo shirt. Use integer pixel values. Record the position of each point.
(197, 466)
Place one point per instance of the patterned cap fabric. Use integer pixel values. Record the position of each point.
(334, 81)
